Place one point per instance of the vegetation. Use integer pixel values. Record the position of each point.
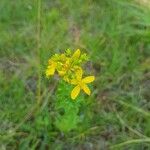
(116, 36)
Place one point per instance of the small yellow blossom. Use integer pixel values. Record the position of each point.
(64, 67)
(69, 67)
(51, 68)
(81, 84)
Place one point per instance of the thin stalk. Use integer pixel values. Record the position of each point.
(38, 50)
(135, 108)
(134, 141)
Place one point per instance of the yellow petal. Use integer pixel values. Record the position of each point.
(50, 71)
(88, 79)
(79, 74)
(68, 61)
(50, 61)
(75, 92)
(86, 89)
(76, 54)
(62, 57)
(62, 73)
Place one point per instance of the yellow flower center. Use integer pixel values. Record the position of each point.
(80, 83)
(66, 66)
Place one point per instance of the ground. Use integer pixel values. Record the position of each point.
(115, 34)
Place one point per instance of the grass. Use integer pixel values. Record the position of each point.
(116, 35)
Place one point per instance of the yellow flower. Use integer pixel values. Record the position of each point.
(69, 63)
(65, 67)
(51, 68)
(81, 84)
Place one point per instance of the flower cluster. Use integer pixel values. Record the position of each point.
(68, 67)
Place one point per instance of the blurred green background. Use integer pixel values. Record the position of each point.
(115, 34)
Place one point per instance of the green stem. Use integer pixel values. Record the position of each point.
(38, 51)
(134, 108)
(134, 141)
